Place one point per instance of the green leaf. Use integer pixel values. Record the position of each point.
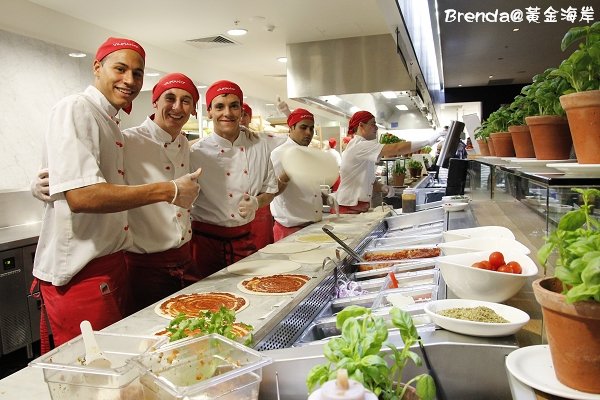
(349, 312)
(317, 375)
(572, 220)
(574, 34)
(426, 387)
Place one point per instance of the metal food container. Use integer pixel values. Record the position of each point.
(206, 367)
(419, 218)
(68, 378)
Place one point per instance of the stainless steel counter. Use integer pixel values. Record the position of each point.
(12, 237)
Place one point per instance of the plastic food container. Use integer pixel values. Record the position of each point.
(68, 378)
(206, 367)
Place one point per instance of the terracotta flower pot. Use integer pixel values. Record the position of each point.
(484, 150)
(550, 136)
(583, 113)
(414, 172)
(521, 138)
(572, 331)
(503, 144)
(398, 179)
(490, 143)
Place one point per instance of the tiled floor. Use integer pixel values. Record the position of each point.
(12, 362)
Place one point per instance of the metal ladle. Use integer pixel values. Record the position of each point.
(327, 229)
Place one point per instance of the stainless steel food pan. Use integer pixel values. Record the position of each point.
(418, 218)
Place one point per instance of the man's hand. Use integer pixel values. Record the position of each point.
(250, 134)
(248, 206)
(40, 186)
(187, 189)
(283, 107)
(333, 204)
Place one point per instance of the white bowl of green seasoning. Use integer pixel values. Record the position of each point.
(476, 318)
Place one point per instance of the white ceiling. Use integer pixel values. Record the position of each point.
(471, 52)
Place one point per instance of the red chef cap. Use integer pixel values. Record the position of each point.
(332, 142)
(175, 80)
(357, 118)
(247, 109)
(222, 87)
(298, 115)
(114, 44)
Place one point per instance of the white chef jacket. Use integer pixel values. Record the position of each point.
(151, 155)
(83, 146)
(228, 172)
(295, 205)
(358, 171)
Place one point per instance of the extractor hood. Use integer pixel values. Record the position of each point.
(345, 75)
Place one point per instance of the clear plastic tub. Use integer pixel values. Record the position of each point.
(206, 367)
(68, 378)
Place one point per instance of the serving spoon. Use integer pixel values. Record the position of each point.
(94, 357)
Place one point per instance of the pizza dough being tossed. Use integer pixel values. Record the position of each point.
(309, 167)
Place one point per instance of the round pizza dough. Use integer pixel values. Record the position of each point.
(243, 289)
(313, 256)
(309, 167)
(319, 238)
(288, 247)
(158, 310)
(262, 267)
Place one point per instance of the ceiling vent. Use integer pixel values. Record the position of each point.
(495, 82)
(211, 42)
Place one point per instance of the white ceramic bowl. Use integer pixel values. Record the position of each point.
(516, 318)
(467, 282)
(480, 231)
(480, 244)
(455, 199)
(450, 207)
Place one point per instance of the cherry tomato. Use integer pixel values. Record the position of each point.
(516, 267)
(505, 268)
(496, 259)
(482, 265)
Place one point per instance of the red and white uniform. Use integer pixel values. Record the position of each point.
(262, 224)
(160, 254)
(357, 174)
(295, 207)
(83, 146)
(221, 236)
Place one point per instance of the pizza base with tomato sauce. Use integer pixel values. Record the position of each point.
(273, 285)
(193, 303)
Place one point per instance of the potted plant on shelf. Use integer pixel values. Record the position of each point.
(398, 173)
(482, 138)
(571, 299)
(521, 107)
(582, 101)
(414, 168)
(359, 350)
(549, 128)
(501, 138)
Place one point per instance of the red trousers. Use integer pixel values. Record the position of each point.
(98, 293)
(215, 247)
(262, 227)
(361, 207)
(154, 276)
(280, 231)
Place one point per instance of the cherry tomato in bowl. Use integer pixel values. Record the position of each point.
(496, 259)
(516, 267)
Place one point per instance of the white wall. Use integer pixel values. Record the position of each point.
(36, 75)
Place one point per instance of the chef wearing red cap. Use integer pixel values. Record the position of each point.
(237, 180)
(295, 207)
(357, 172)
(80, 263)
(160, 257)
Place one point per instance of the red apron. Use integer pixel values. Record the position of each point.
(362, 206)
(280, 231)
(262, 227)
(155, 276)
(98, 293)
(215, 247)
